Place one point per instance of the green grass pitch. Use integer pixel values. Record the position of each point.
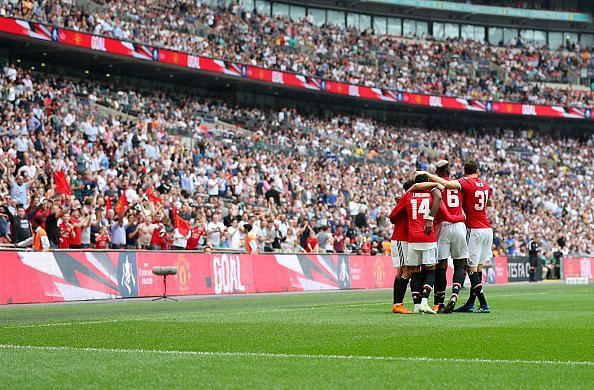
(538, 336)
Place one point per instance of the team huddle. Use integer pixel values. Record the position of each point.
(437, 218)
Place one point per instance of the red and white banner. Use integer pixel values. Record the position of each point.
(135, 50)
(578, 267)
(27, 277)
(495, 271)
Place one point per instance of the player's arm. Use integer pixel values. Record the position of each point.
(445, 213)
(418, 187)
(400, 207)
(436, 194)
(449, 184)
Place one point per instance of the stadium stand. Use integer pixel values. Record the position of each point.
(282, 171)
(518, 71)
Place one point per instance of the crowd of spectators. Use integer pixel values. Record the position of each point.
(462, 68)
(301, 183)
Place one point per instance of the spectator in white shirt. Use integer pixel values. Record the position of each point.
(180, 241)
(213, 185)
(214, 230)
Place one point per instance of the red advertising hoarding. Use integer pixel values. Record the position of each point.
(495, 271)
(578, 267)
(109, 45)
(57, 276)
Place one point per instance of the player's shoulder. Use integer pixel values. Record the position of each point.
(482, 182)
(473, 181)
(422, 193)
(405, 197)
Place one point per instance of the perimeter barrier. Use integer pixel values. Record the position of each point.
(57, 276)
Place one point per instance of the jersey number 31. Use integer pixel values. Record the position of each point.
(481, 196)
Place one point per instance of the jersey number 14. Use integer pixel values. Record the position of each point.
(422, 209)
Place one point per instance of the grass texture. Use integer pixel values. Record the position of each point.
(538, 336)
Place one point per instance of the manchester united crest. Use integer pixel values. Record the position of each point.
(378, 272)
(183, 273)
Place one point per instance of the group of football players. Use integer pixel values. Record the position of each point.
(437, 218)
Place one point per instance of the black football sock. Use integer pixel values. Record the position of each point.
(428, 283)
(479, 291)
(416, 283)
(401, 290)
(475, 285)
(458, 281)
(440, 286)
(396, 286)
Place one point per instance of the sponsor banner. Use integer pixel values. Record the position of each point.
(108, 45)
(28, 277)
(518, 268)
(495, 271)
(578, 267)
(135, 50)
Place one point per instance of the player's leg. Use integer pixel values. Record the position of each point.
(414, 261)
(397, 267)
(474, 254)
(416, 285)
(444, 243)
(440, 285)
(480, 294)
(405, 276)
(428, 274)
(399, 253)
(457, 282)
(396, 280)
(459, 252)
(486, 253)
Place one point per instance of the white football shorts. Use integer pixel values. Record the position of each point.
(399, 253)
(480, 243)
(422, 254)
(451, 241)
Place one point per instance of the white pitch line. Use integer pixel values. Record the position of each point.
(239, 354)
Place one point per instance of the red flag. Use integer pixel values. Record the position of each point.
(122, 205)
(150, 196)
(61, 183)
(181, 224)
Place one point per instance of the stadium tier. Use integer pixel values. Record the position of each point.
(518, 67)
(137, 158)
(296, 194)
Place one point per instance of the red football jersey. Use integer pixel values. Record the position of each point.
(66, 235)
(400, 222)
(475, 195)
(418, 207)
(451, 200)
(77, 239)
(157, 237)
(101, 241)
(194, 239)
